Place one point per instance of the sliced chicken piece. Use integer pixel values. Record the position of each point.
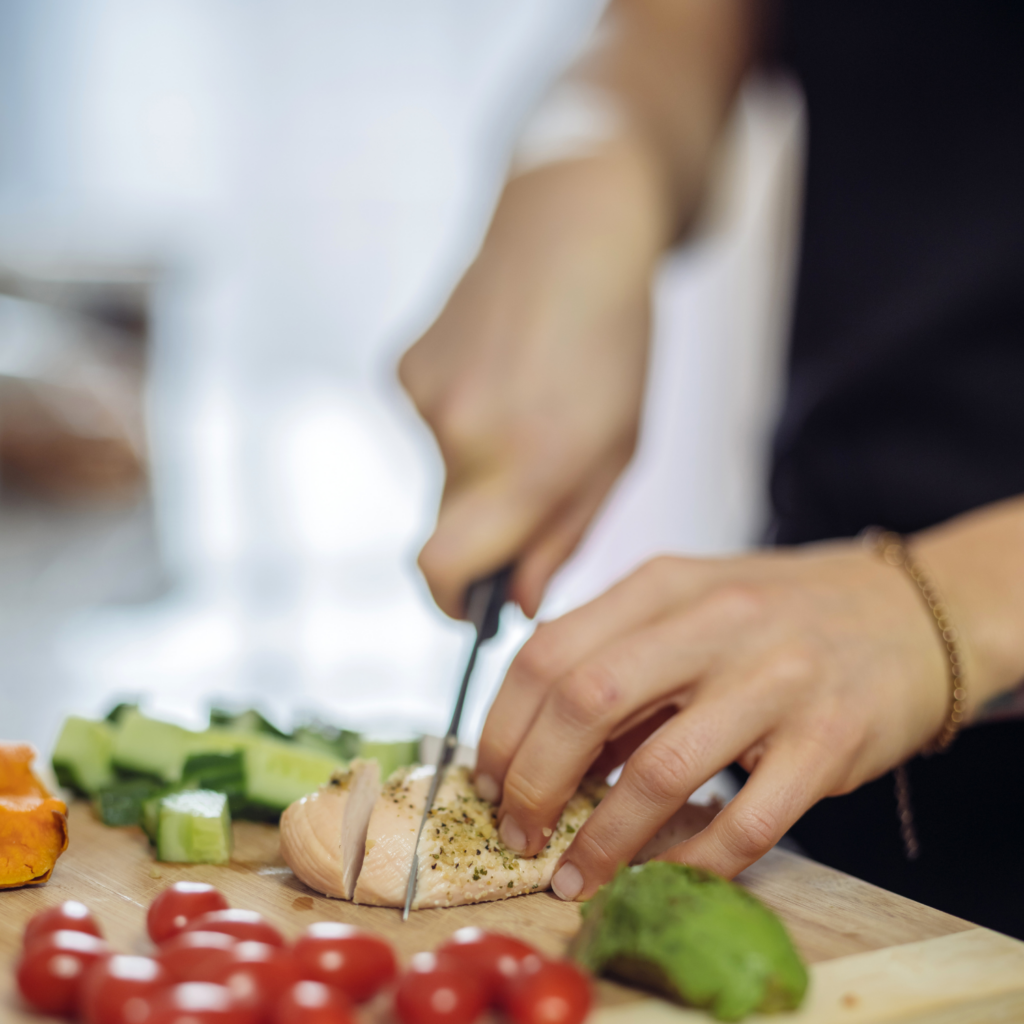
(462, 860)
(323, 835)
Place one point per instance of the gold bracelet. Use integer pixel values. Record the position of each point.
(893, 549)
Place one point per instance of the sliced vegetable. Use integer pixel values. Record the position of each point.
(33, 834)
(82, 757)
(121, 802)
(150, 747)
(194, 827)
(693, 936)
(249, 721)
(16, 775)
(276, 773)
(390, 754)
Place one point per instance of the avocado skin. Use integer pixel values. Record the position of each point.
(693, 936)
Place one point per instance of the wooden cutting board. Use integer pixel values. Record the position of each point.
(875, 956)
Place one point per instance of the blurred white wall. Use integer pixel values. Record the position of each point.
(311, 177)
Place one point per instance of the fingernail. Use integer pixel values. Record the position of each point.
(567, 882)
(487, 789)
(512, 835)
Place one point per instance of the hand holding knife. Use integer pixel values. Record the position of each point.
(484, 601)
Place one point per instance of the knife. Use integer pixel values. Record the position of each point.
(484, 601)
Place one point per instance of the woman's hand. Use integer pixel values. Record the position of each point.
(532, 377)
(816, 669)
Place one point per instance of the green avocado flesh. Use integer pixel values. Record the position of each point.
(694, 937)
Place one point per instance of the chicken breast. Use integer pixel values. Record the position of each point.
(323, 835)
(461, 858)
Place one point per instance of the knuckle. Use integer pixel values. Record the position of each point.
(532, 667)
(522, 794)
(587, 696)
(590, 850)
(750, 833)
(740, 604)
(661, 771)
(795, 663)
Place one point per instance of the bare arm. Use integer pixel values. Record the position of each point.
(532, 377)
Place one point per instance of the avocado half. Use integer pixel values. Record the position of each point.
(694, 937)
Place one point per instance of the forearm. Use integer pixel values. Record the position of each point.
(653, 92)
(977, 561)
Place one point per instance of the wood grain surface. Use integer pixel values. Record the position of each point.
(868, 944)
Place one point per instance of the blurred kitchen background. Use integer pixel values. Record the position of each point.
(220, 223)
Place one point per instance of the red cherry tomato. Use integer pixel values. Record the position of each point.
(345, 957)
(179, 904)
(436, 991)
(244, 925)
(548, 992)
(198, 1002)
(51, 971)
(259, 974)
(490, 956)
(197, 956)
(310, 1002)
(69, 916)
(116, 989)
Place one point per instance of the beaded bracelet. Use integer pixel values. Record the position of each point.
(893, 550)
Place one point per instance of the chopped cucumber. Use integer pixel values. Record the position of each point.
(390, 755)
(82, 756)
(221, 771)
(194, 827)
(327, 739)
(121, 802)
(149, 747)
(277, 772)
(250, 721)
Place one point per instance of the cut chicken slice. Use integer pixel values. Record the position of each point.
(323, 835)
(462, 860)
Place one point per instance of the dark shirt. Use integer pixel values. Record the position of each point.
(905, 395)
(905, 400)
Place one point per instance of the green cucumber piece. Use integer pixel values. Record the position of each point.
(121, 802)
(278, 773)
(82, 755)
(220, 771)
(391, 754)
(327, 739)
(250, 721)
(146, 746)
(115, 713)
(194, 827)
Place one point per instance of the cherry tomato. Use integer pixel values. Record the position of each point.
(311, 1002)
(259, 974)
(197, 1002)
(548, 992)
(69, 916)
(50, 972)
(490, 956)
(197, 956)
(345, 957)
(436, 991)
(244, 925)
(179, 904)
(115, 989)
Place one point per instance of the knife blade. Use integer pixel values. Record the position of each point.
(484, 601)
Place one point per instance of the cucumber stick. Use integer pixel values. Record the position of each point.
(194, 827)
(82, 755)
(149, 747)
(278, 772)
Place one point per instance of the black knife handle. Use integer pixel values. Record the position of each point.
(484, 601)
